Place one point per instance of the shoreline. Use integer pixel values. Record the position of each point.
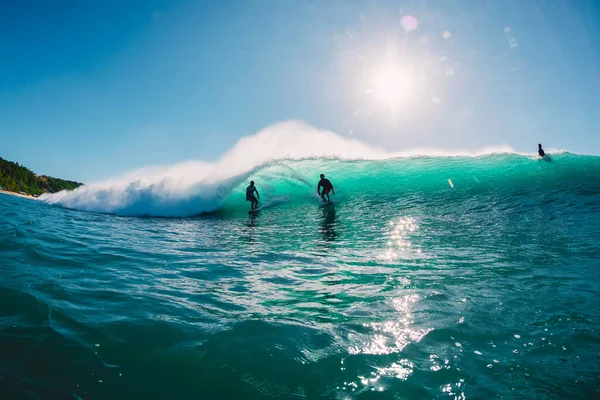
(25, 196)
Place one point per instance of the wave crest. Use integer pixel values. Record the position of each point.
(195, 187)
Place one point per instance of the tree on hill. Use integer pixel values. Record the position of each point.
(16, 178)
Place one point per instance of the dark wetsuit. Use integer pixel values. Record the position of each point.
(541, 152)
(326, 184)
(250, 194)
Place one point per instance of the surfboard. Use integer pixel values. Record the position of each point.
(273, 202)
(326, 203)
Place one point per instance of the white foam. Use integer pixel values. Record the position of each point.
(194, 187)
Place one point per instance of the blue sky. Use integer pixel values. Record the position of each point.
(89, 89)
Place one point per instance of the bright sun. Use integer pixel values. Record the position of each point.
(390, 85)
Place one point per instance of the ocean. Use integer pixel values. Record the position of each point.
(432, 277)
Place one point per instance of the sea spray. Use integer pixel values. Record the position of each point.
(287, 158)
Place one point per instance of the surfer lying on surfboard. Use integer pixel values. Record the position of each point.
(327, 187)
(250, 190)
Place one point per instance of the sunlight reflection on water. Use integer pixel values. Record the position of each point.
(399, 245)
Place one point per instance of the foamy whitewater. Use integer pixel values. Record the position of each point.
(464, 275)
(193, 188)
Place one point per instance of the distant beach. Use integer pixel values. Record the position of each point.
(27, 196)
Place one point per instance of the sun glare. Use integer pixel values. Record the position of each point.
(387, 75)
(391, 85)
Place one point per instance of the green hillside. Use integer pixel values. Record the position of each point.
(16, 178)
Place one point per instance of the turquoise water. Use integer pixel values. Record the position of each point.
(406, 288)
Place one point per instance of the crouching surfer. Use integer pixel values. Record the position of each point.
(327, 187)
(250, 190)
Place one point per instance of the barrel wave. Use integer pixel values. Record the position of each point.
(432, 276)
(499, 176)
(286, 160)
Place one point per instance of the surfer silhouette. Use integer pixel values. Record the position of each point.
(541, 151)
(250, 190)
(327, 187)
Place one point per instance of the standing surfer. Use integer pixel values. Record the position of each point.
(250, 190)
(327, 187)
(541, 151)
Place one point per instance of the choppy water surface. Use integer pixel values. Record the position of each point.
(405, 288)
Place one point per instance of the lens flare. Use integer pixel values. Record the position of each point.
(409, 23)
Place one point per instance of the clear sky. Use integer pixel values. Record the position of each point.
(90, 89)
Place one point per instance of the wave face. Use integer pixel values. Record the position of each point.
(193, 188)
(285, 161)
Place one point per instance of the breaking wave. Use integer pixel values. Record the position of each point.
(286, 159)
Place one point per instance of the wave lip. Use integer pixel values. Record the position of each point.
(196, 187)
(193, 188)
